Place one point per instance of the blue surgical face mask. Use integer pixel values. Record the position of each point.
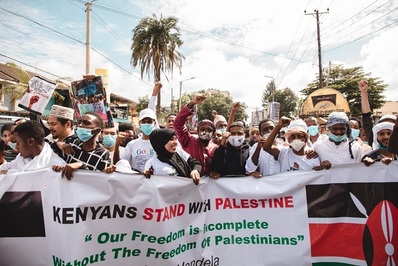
(337, 138)
(355, 133)
(84, 134)
(222, 130)
(146, 129)
(109, 140)
(313, 130)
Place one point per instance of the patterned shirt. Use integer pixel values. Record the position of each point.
(95, 160)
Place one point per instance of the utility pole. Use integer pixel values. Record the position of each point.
(317, 13)
(88, 35)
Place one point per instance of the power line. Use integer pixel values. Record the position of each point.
(26, 64)
(364, 36)
(42, 25)
(350, 34)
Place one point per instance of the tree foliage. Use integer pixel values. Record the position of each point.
(154, 47)
(345, 80)
(267, 94)
(142, 103)
(287, 100)
(222, 104)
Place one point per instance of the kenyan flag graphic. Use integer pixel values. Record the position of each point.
(353, 224)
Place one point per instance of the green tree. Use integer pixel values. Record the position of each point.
(345, 80)
(154, 47)
(222, 104)
(267, 94)
(142, 103)
(287, 100)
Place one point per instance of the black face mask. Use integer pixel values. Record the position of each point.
(252, 142)
(204, 141)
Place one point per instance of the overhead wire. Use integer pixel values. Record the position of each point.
(350, 34)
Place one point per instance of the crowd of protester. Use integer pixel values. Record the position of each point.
(216, 148)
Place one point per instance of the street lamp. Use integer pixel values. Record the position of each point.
(179, 102)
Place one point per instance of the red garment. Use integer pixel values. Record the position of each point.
(190, 143)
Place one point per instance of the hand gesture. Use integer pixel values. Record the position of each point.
(284, 121)
(156, 88)
(195, 175)
(235, 106)
(110, 169)
(363, 85)
(148, 172)
(387, 160)
(224, 138)
(256, 174)
(368, 161)
(198, 98)
(214, 175)
(67, 170)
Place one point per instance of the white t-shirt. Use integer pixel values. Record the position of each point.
(338, 154)
(266, 163)
(319, 139)
(138, 152)
(290, 161)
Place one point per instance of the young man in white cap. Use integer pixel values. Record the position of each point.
(381, 136)
(339, 147)
(293, 157)
(138, 151)
(60, 123)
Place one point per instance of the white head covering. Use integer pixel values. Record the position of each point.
(219, 118)
(62, 112)
(378, 127)
(387, 117)
(297, 125)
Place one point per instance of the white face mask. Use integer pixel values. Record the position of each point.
(236, 141)
(297, 144)
(12, 145)
(266, 135)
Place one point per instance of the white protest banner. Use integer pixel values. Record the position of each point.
(347, 215)
(38, 95)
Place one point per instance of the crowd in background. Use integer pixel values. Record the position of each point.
(216, 148)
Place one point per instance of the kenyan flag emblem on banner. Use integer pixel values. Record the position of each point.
(353, 224)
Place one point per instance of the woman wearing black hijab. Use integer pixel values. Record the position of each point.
(170, 159)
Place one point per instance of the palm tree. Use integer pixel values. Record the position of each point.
(17, 90)
(154, 47)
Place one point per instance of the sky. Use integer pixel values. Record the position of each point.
(235, 46)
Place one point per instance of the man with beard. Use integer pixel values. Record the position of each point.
(199, 147)
(381, 136)
(60, 124)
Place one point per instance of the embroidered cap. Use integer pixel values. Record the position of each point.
(62, 112)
